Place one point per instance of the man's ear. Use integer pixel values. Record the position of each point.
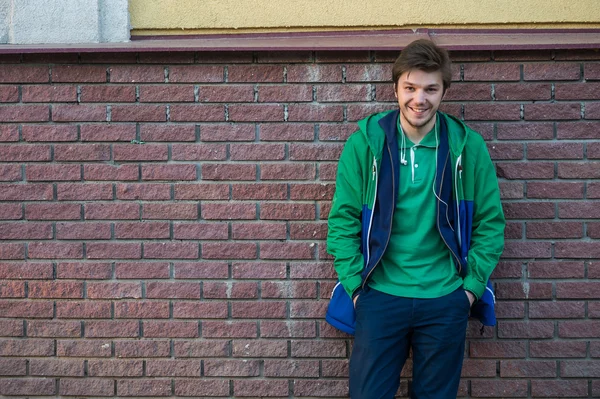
(396, 90)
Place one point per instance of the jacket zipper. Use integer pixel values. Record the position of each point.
(438, 216)
(391, 219)
(375, 177)
(458, 174)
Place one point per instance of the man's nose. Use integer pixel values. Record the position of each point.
(420, 96)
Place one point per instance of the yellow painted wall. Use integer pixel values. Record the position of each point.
(164, 17)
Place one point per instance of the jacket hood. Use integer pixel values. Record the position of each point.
(458, 132)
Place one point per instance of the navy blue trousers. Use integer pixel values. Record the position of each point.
(387, 327)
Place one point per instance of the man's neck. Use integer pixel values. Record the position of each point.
(414, 134)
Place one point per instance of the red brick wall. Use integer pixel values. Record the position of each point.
(163, 219)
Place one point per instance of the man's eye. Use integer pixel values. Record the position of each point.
(410, 89)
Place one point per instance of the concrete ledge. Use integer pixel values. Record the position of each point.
(369, 40)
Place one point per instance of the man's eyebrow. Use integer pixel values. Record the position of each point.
(414, 84)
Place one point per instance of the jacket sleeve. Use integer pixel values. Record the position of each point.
(344, 234)
(487, 236)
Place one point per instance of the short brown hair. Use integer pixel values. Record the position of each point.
(424, 55)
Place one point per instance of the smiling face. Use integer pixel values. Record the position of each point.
(419, 95)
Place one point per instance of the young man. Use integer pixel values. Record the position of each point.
(416, 228)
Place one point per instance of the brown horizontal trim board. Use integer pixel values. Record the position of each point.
(452, 39)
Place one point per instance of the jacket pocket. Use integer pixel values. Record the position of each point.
(340, 312)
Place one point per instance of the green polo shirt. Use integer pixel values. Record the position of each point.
(417, 263)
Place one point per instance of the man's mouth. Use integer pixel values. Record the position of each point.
(418, 110)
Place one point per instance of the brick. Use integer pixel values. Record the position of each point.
(294, 368)
(531, 249)
(255, 73)
(143, 349)
(284, 171)
(310, 270)
(551, 71)
(228, 211)
(141, 310)
(167, 211)
(11, 211)
(510, 310)
(25, 271)
(578, 210)
(173, 290)
(201, 348)
(284, 93)
(111, 172)
(199, 152)
(9, 133)
(287, 211)
(554, 230)
(170, 329)
(237, 290)
(526, 290)
(593, 230)
(576, 91)
(23, 74)
(552, 349)
(530, 55)
(52, 133)
(231, 368)
(322, 191)
(526, 171)
(577, 130)
(168, 133)
(166, 93)
(195, 310)
(137, 152)
(264, 388)
(114, 251)
(196, 74)
(335, 132)
(578, 329)
(10, 173)
(173, 368)
(256, 113)
(286, 250)
(228, 329)
(197, 113)
(385, 92)
(145, 191)
(145, 270)
(303, 310)
(511, 190)
(78, 113)
(138, 113)
(308, 231)
(369, 73)
(550, 190)
(201, 191)
(525, 329)
(86, 386)
(81, 152)
(489, 111)
(561, 389)
(227, 132)
(529, 210)
(333, 368)
(56, 289)
(84, 271)
(108, 58)
(315, 152)
(344, 93)
(142, 230)
(314, 73)
(25, 153)
(51, 94)
(136, 74)
(78, 73)
(491, 71)
(200, 231)
(287, 329)
(52, 172)
(28, 386)
(557, 310)
(111, 329)
(171, 250)
(593, 151)
(83, 192)
(12, 251)
(55, 250)
(556, 111)
(591, 71)
(579, 368)
(499, 388)
(13, 367)
(28, 347)
(25, 231)
(582, 250)
(355, 112)
(202, 388)
(108, 132)
(555, 151)
(556, 270)
(257, 152)
(584, 290)
(284, 56)
(259, 270)
(302, 349)
(315, 113)
(54, 329)
(525, 131)
(169, 172)
(115, 368)
(579, 170)
(26, 309)
(100, 211)
(144, 387)
(12, 289)
(258, 231)
(226, 93)
(229, 250)
(83, 310)
(521, 92)
(112, 94)
(259, 191)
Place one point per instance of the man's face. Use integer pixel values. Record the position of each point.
(419, 96)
